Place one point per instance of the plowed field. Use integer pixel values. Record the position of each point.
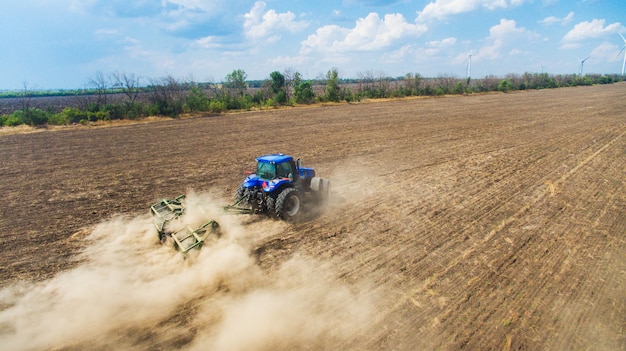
(484, 222)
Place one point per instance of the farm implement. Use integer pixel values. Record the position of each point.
(185, 238)
(280, 189)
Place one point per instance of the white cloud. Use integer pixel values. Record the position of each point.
(606, 52)
(370, 33)
(440, 9)
(591, 30)
(260, 24)
(195, 5)
(504, 35)
(435, 47)
(206, 43)
(442, 43)
(555, 20)
(506, 28)
(490, 51)
(287, 61)
(324, 39)
(398, 55)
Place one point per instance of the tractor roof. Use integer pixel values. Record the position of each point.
(274, 158)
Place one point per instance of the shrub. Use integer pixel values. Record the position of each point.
(71, 115)
(505, 85)
(165, 108)
(109, 111)
(15, 119)
(35, 117)
(281, 97)
(134, 110)
(99, 116)
(58, 119)
(239, 103)
(259, 97)
(217, 106)
(196, 100)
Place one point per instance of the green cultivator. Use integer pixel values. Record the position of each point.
(166, 210)
(185, 238)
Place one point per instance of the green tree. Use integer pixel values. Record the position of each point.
(196, 100)
(333, 92)
(278, 82)
(236, 82)
(505, 85)
(278, 87)
(302, 91)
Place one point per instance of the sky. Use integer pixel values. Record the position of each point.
(63, 44)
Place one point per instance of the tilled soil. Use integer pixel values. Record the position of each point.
(483, 222)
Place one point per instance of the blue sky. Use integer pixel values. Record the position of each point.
(51, 44)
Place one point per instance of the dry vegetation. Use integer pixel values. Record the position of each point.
(487, 222)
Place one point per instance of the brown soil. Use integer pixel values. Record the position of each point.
(486, 222)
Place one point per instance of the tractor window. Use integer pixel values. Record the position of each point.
(283, 170)
(265, 170)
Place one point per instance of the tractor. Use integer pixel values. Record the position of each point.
(280, 189)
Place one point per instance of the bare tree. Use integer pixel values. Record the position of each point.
(413, 83)
(383, 84)
(128, 83)
(446, 83)
(26, 97)
(290, 75)
(100, 84)
(168, 95)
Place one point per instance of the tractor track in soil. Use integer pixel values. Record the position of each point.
(487, 222)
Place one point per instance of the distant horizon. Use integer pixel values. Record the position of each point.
(62, 45)
(87, 88)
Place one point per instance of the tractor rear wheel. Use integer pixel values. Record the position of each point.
(288, 204)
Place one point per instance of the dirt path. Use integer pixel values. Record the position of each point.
(490, 222)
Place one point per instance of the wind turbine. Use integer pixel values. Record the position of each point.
(582, 63)
(623, 49)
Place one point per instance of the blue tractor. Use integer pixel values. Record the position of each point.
(279, 188)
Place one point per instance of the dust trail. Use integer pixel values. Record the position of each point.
(355, 180)
(131, 292)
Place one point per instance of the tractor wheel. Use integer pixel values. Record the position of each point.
(321, 189)
(241, 193)
(288, 204)
(270, 203)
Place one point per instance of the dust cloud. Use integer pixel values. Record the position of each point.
(130, 292)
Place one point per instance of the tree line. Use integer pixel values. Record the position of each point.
(126, 96)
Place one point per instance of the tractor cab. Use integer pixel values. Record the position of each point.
(279, 166)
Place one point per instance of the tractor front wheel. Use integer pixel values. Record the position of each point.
(241, 193)
(288, 204)
(270, 204)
